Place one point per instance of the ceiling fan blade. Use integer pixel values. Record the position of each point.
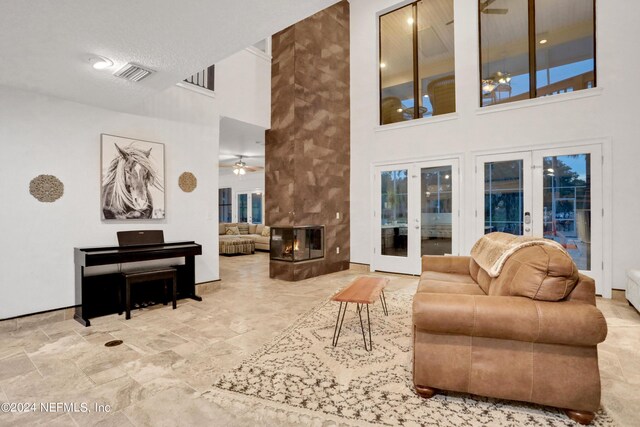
(449, 23)
(226, 166)
(496, 11)
(254, 168)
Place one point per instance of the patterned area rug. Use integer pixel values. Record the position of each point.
(299, 378)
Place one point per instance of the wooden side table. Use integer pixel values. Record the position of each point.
(362, 291)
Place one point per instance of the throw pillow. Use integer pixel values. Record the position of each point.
(232, 231)
(243, 228)
(266, 231)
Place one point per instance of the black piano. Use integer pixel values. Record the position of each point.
(96, 295)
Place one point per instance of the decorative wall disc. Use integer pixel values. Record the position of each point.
(187, 182)
(46, 188)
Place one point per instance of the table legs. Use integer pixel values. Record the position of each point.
(336, 330)
(359, 308)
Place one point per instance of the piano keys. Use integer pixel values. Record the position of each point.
(96, 295)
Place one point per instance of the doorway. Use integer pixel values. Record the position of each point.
(249, 207)
(555, 193)
(416, 213)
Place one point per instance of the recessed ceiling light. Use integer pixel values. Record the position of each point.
(410, 21)
(100, 62)
(426, 96)
(543, 41)
(399, 110)
(382, 65)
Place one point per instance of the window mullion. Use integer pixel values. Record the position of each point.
(533, 68)
(416, 71)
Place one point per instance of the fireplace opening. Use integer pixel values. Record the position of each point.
(295, 244)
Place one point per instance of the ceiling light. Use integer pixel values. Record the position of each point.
(410, 21)
(543, 41)
(100, 62)
(399, 110)
(446, 177)
(382, 65)
(550, 170)
(426, 96)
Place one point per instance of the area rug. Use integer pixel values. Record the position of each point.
(299, 378)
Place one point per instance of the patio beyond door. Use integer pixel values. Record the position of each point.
(555, 193)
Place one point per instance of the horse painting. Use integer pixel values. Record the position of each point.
(127, 184)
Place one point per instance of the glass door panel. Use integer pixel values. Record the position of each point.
(567, 204)
(242, 207)
(504, 197)
(394, 212)
(256, 208)
(568, 196)
(436, 209)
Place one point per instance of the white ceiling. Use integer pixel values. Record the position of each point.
(44, 43)
(240, 139)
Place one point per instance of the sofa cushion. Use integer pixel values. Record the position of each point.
(266, 231)
(222, 228)
(441, 287)
(252, 228)
(243, 227)
(260, 239)
(542, 273)
(259, 229)
(232, 230)
(447, 277)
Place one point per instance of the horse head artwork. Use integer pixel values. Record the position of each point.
(126, 185)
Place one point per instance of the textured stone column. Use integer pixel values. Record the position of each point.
(307, 148)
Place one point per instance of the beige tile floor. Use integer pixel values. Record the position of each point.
(169, 357)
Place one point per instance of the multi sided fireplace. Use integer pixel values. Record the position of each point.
(296, 244)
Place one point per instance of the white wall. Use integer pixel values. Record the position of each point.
(247, 100)
(609, 114)
(46, 135)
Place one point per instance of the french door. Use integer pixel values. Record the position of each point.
(552, 193)
(415, 213)
(249, 207)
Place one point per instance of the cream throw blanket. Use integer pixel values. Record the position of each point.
(493, 249)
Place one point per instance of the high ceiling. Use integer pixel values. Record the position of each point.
(240, 139)
(44, 44)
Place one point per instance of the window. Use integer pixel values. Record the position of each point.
(535, 48)
(224, 205)
(417, 61)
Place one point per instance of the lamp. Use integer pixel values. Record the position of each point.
(240, 167)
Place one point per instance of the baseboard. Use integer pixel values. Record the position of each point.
(208, 287)
(38, 318)
(359, 267)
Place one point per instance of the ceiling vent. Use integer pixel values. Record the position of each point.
(133, 72)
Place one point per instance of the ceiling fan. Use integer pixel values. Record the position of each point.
(240, 167)
(484, 8)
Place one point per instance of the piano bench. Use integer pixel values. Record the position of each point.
(140, 276)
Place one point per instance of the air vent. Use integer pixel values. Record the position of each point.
(133, 72)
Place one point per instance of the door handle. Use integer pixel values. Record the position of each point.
(527, 218)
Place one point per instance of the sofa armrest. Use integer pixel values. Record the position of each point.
(510, 318)
(446, 264)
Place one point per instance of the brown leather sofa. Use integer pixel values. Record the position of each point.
(530, 334)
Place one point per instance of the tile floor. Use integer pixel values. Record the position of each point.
(169, 357)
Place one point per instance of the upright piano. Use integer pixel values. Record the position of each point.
(96, 295)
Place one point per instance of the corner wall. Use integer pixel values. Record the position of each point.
(307, 148)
